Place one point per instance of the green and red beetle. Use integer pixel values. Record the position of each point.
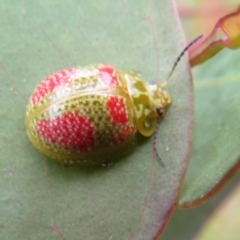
(90, 115)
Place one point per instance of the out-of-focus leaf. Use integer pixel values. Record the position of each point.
(216, 139)
(224, 222)
(226, 33)
(41, 199)
(194, 218)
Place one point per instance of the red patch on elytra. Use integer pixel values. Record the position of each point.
(70, 130)
(125, 133)
(117, 109)
(51, 82)
(108, 75)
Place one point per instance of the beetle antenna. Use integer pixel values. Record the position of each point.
(178, 59)
(160, 110)
(155, 145)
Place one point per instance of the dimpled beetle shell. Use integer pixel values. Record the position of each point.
(90, 115)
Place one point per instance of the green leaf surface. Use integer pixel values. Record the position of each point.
(41, 199)
(216, 137)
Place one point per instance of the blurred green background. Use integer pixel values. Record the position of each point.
(219, 217)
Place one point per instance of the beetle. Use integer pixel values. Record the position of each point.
(90, 115)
